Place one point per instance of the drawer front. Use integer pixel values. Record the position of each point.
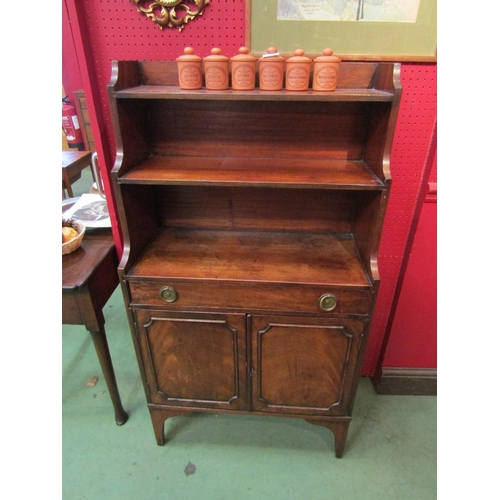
(249, 297)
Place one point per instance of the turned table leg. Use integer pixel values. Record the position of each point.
(102, 350)
(339, 430)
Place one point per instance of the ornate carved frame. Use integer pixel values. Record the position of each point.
(166, 12)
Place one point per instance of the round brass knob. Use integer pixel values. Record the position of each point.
(327, 302)
(168, 294)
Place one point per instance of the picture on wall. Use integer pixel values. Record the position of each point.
(357, 30)
(349, 10)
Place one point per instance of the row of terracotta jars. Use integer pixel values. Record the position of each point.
(271, 69)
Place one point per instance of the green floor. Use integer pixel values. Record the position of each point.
(390, 451)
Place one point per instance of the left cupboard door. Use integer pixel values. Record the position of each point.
(194, 360)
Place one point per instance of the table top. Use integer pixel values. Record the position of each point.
(78, 266)
(71, 157)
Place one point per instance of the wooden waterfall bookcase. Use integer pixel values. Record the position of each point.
(251, 224)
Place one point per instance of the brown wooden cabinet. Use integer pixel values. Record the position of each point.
(251, 224)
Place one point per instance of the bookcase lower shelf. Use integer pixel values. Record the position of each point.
(259, 172)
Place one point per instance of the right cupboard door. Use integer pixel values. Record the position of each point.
(304, 365)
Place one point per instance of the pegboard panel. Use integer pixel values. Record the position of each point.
(116, 30)
(417, 115)
(120, 31)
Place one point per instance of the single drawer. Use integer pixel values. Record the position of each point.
(181, 294)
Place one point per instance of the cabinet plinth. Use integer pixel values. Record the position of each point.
(251, 225)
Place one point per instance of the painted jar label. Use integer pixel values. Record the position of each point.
(190, 75)
(298, 78)
(216, 77)
(244, 75)
(326, 77)
(270, 76)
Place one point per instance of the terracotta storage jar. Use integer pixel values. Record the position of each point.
(243, 67)
(325, 71)
(298, 71)
(189, 69)
(216, 67)
(271, 68)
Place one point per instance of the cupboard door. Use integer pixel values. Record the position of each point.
(304, 365)
(194, 360)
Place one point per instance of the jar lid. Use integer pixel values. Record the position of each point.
(216, 56)
(189, 55)
(298, 56)
(271, 55)
(243, 55)
(327, 56)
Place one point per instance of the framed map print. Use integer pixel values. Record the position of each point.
(357, 30)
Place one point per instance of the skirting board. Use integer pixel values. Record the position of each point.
(407, 382)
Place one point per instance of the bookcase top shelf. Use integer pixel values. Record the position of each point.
(175, 92)
(361, 82)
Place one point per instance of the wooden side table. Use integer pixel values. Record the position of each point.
(73, 162)
(89, 277)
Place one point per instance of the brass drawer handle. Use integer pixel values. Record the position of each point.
(168, 294)
(327, 302)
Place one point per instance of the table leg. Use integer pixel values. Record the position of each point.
(101, 347)
(67, 184)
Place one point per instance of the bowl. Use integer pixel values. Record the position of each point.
(72, 245)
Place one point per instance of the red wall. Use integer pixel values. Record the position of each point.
(71, 74)
(412, 339)
(103, 30)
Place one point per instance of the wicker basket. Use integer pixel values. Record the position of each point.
(72, 245)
